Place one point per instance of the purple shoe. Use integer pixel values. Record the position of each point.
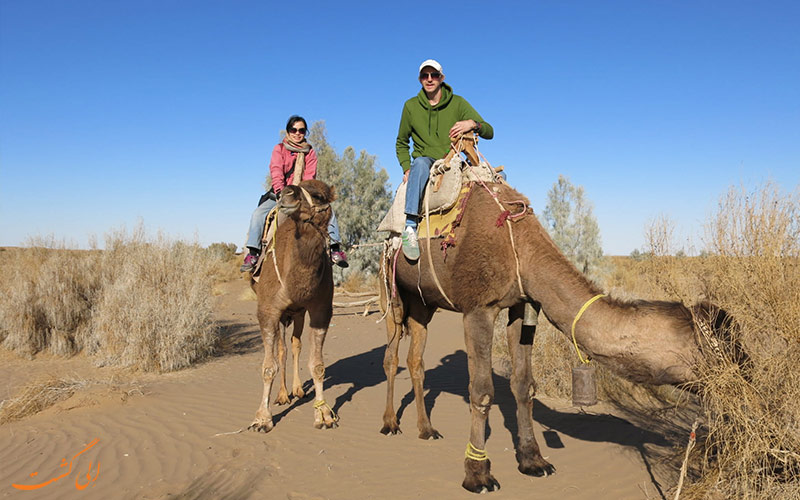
(339, 258)
(249, 265)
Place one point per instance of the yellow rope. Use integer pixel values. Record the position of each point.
(318, 405)
(575, 321)
(475, 454)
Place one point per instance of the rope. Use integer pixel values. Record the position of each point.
(474, 453)
(275, 263)
(319, 405)
(507, 219)
(575, 321)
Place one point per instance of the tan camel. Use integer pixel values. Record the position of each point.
(491, 268)
(296, 277)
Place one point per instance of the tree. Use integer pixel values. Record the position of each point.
(363, 196)
(569, 220)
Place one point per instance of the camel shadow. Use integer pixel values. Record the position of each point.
(238, 339)
(358, 372)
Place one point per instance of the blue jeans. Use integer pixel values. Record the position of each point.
(259, 218)
(417, 179)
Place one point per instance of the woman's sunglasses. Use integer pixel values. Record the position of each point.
(435, 75)
(301, 130)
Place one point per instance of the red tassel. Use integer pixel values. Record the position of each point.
(502, 218)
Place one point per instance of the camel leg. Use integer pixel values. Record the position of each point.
(269, 333)
(478, 326)
(390, 362)
(418, 320)
(523, 387)
(320, 318)
(280, 346)
(297, 383)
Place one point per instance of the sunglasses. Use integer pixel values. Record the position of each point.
(293, 130)
(435, 75)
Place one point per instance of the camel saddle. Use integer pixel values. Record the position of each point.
(274, 217)
(448, 178)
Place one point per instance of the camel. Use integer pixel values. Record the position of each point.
(503, 258)
(296, 277)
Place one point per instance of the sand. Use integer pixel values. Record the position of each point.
(174, 435)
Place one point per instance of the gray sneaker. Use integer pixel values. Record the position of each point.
(410, 243)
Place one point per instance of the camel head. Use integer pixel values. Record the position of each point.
(718, 335)
(309, 201)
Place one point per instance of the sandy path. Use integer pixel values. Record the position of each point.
(164, 444)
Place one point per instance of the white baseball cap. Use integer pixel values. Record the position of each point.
(432, 63)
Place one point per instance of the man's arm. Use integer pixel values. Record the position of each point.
(474, 121)
(403, 141)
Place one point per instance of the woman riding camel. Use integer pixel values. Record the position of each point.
(293, 160)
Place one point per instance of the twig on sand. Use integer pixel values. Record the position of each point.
(229, 433)
(692, 439)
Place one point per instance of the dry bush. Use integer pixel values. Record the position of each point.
(752, 446)
(360, 282)
(38, 396)
(46, 297)
(139, 303)
(154, 312)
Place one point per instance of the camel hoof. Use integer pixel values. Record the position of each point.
(261, 426)
(488, 486)
(299, 393)
(282, 399)
(391, 429)
(430, 434)
(543, 470)
(478, 477)
(326, 425)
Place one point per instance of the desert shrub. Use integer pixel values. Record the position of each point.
(752, 446)
(154, 312)
(139, 303)
(46, 297)
(222, 251)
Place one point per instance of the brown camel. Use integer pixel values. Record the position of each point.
(296, 277)
(492, 267)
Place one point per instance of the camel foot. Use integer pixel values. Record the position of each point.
(430, 434)
(283, 398)
(328, 423)
(390, 426)
(537, 466)
(478, 478)
(298, 393)
(261, 426)
(325, 417)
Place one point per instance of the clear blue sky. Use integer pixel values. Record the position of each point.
(166, 111)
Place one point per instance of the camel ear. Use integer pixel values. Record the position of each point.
(333, 193)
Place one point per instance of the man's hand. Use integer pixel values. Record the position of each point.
(462, 127)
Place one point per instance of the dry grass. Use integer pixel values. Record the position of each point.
(140, 303)
(38, 396)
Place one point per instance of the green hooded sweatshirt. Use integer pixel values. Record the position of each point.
(429, 126)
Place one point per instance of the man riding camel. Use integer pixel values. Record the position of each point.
(431, 119)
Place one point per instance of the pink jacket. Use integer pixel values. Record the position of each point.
(281, 164)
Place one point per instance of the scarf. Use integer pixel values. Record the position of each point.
(301, 148)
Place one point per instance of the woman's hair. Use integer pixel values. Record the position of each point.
(294, 119)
